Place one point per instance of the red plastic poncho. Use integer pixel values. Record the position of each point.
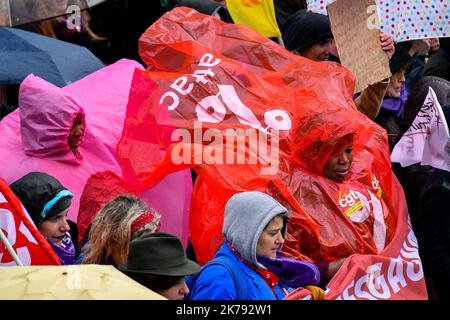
(206, 77)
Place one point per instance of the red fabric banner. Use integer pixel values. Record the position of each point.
(28, 243)
(247, 114)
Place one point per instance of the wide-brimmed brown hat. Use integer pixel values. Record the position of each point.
(161, 254)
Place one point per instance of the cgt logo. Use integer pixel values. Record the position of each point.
(376, 186)
(351, 203)
(349, 199)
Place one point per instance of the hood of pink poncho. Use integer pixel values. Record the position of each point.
(47, 115)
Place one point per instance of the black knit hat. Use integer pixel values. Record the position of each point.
(400, 59)
(305, 29)
(42, 195)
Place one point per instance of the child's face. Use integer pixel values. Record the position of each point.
(55, 227)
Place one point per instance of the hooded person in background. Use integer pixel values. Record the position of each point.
(254, 228)
(414, 177)
(309, 34)
(48, 202)
(434, 234)
(439, 63)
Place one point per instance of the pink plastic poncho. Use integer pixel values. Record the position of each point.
(34, 138)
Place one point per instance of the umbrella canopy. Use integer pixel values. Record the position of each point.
(58, 62)
(18, 12)
(77, 282)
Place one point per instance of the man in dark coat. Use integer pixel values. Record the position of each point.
(439, 63)
(434, 235)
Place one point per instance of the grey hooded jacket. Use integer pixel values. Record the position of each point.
(246, 216)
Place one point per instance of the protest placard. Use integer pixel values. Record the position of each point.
(358, 43)
(427, 138)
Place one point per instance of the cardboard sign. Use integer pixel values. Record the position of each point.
(357, 40)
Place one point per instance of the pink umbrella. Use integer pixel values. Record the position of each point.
(34, 138)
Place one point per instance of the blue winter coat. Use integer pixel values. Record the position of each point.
(216, 283)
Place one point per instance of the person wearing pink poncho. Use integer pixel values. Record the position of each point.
(71, 133)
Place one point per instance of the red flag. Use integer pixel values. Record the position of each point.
(28, 243)
(248, 115)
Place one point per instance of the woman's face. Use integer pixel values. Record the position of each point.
(177, 291)
(338, 166)
(55, 227)
(271, 239)
(318, 52)
(76, 133)
(394, 89)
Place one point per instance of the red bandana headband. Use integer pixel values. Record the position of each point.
(141, 221)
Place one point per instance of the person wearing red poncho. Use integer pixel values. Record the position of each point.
(343, 198)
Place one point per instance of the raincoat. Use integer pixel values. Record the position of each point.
(34, 138)
(226, 77)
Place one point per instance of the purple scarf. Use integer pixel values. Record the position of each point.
(396, 105)
(292, 272)
(65, 251)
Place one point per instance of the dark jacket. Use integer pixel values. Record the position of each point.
(434, 235)
(285, 8)
(414, 177)
(438, 65)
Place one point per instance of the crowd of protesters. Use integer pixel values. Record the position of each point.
(124, 231)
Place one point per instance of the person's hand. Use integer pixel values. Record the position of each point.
(317, 293)
(334, 266)
(387, 44)
(421, 46)
(434, 44)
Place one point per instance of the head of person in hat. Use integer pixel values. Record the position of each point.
(399, 64)
(47, 201)
(309, 34)
(158, 262)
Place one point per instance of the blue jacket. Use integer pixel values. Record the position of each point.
(216, 283)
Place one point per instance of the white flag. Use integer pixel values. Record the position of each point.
(427, 140)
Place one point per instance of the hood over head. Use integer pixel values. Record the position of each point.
(304, 29)
(42, 195)
(246, 216)
(321, 135)
(47, 115)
